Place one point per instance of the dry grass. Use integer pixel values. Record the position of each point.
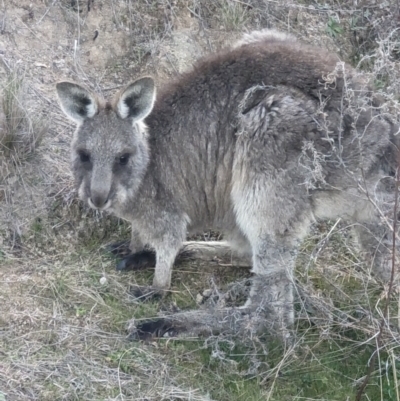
(20, 131)
(63, 332)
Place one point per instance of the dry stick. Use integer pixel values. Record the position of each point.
(389, 293)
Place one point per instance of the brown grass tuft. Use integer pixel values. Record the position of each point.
(20, 131)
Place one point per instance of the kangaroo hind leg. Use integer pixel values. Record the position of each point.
(275, 226)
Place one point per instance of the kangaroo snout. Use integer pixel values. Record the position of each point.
(99, 200)
(100, 195)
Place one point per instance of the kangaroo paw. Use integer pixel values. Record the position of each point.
(157, 328)
(137, 261)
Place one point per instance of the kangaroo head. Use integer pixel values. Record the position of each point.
(109, 149)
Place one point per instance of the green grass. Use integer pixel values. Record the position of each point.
(233, 15)
(319, 370)
(327, 363)
(333, 28)
(58, 313)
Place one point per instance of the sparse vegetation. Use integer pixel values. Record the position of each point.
(20, 131)
(233, 15)
(64, 308)
(333, 27)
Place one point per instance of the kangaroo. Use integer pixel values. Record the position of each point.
(257, 141)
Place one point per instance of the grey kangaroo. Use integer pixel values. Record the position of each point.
(257, 141)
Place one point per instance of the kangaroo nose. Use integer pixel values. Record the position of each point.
(99, 200)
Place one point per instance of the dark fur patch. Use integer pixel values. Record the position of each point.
(82, 102)
(137, 261)
(130, 102)
(154, 329)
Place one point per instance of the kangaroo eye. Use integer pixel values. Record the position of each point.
(84, 156)
(123, 160)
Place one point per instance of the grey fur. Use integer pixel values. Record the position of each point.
(263, 35)
(258, 141)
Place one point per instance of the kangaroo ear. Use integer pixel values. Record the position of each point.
(137, 99)
(76, 102)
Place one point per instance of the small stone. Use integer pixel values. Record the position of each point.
(103, 281)
(199, 298)
(207, 293)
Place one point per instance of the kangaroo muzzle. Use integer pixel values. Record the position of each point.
(100, 189)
